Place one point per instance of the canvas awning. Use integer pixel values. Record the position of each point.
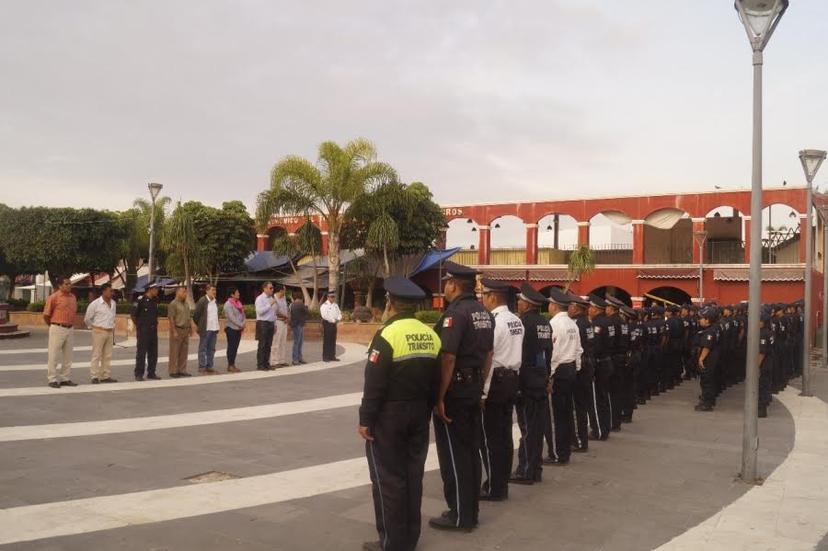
(432, 258)
(260, 261)
(669, 273)
(549, 274)
(768, 274)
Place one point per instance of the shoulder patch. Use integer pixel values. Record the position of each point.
(448, 322)
(374, 357)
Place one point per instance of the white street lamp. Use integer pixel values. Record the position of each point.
(811, 160)
(701, 237)
(760, 18)
(154, 189)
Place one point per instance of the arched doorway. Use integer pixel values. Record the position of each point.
(668, 237)
(507, 239)
(672, 294)
(611, 237)
(557, 238)
(724, 238)
(780, 234)
(612, 291)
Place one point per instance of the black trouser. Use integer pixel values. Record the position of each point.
(531, 410)
(765, 376)
(561, 409)
(779, 380)
(497, 448)
(396, 460)
(654, 359)
(147, 351)
(628, 387)
(264, 334)
(603, 374)
(643, 384)
(458, 450)
(328, 340)
(708, 380)
(616, 389)
(583, 399)
(233, 340)
(667, 374)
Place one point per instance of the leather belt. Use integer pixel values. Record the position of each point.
(64, 325)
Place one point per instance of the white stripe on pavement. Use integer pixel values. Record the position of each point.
(176, 420)
(81, 516)
(128, 343)
(353, 353)
(244, 346)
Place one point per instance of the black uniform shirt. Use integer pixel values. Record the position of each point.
(466, 329)
(603, 341)
(537, 351)
(402, 366)
(636, 335)
(709, 338)
(587, 334)
(145, 312)
(765, 343)
(652, 328)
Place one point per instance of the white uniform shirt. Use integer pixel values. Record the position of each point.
(566, 341)
(212, 315)
(100, 314)
(508, 343)
(330, 312)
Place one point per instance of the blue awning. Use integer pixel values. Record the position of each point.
(432, 258)
(260, 261)
(141, 283)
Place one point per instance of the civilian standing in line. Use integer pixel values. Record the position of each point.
(563, 368)
(265, 317)
(331, 315)
(145, 318)
(59, 314)
(100, 319)
(181, 327)
(278, 352)
(206, 319)
(298, 316)
(233, 327)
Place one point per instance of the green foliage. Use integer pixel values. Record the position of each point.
(136, 228)
(63, 241)
(429, 317)
(36, 306)
(581, 261)
(18, 304)
(340, 176)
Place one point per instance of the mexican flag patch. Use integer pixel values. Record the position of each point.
(374, 357)
(447, 322)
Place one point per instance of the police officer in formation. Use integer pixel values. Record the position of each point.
(401, 377)
(466, 331)
(583, 392)
(144, 315)
(499, 391)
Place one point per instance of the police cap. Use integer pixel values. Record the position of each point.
(494, 286)
(559, 297)
(614, 302)
(530, 295)
(629, 312)
(404, 288)
(597, 301)
(657, 310)
(576, 299)
(454, 270)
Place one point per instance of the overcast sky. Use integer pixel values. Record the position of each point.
(482, 101)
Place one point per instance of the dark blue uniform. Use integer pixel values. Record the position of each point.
(604, 340)
(709, 339)
(145, 316)
(583, 392)
(466, 330)
(620, 334)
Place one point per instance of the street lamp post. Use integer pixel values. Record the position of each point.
(701, 237)
(823, 215)
(811, 159)
(760, 18)
(154, 190)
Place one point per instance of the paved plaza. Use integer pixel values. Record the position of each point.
(271, 460)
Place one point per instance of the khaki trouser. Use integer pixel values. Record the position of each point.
(178, 351)
(61, 341)
(279, 350)
(99, 368)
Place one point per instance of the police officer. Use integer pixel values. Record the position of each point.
(673, 337)
(144, 316)
(628, 388)
(563, 368)
(765, 363)
(466, 334)
(499, 391)
(583, 392)
(400, 384)
(619, 331)
(531, 405)
(603, 365)
(708, 359)
(655, 351)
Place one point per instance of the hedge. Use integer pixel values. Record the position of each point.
(429, 317)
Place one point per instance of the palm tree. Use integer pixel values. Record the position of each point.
(135, 245)
(179, 239)
(581, 261)
(327, 188)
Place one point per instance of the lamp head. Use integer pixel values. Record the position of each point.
(154, 189)
(760, 18)
(811, 159)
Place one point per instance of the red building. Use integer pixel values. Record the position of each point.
(658, 253)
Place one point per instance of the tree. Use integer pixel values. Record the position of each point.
(62, 241)
(307, 241)
(180, 241)
(135, 242)
(581, 261)
(340, 177)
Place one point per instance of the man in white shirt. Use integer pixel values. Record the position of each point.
(278, 352)
(265, 318)
(499, 392)
(564, 365)
(331, 315)
(100, 318)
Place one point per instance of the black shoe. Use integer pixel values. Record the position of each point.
(336, 360)
(109, 380)
(303, 362)
(154, 377)
(559, 462)
(582, 449)
(95, 381)
(54, 384)
(68, 383)
(372, 546)
(703, 407)
(616, 428)
(185, 374)
(446, 522)
(139, 378)
(641, 401)
(174, 375)
(493, 498)
(515, 479)
(548, 460)
(763, 412)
